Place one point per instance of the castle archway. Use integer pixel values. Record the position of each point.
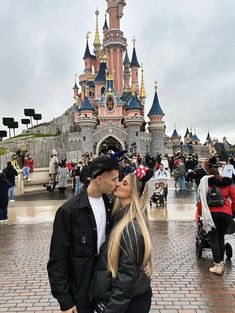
(109, 143)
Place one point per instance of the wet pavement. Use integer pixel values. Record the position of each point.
(181, 283)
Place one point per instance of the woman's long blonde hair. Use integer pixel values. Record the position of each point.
(136, 211)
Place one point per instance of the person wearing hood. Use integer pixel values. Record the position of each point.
(217, 219)
(11, 174)
(5, 184)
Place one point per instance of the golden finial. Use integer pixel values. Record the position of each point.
(133, 40)
(155, 85)
(97, 36)
(87, 35)
(132, 90)
(86, 91)
(142, 89)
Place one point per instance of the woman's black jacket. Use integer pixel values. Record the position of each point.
(10, 173)
(114, 294)
(73, 250)
(5, 184)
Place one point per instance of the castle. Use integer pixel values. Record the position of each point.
(109, 110)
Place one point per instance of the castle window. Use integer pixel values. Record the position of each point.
(84, 138)
(102, 90)
(137, 134)
(90, 93)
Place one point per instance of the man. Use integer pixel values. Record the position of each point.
(80, 227)
(5, 184)
(11, 174)
(162, 175)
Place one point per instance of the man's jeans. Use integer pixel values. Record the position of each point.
(181, 182)
(11, 190)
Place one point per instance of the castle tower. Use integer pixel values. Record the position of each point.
(134, 68)
(114, 43)
(142, 94)
(88, 56)
(97, 43)
(126, 74)
(87, 123)
(133, 122)
(156, 126)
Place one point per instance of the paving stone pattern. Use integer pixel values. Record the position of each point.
(181, 283)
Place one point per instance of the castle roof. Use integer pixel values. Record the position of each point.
(208, 136)
(90, 84)
(134, 60)
(195, 138)
(126, 59)
(175, 135)
(134, 104)
(87, 54)
(101, 74)
(156, 108)
(75, 86)
(186, 133)
(105, 23)
(86, 105)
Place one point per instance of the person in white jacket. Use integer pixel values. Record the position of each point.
(229, 170)
(163, 175)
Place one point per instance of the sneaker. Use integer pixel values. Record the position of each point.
(5, 221)
(28, 179)
(12, 200)
(216, 269)
(24, 176)
(1, 221)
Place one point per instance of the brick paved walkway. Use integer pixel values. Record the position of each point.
(181, 283)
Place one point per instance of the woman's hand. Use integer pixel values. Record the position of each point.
(72, 310)
(148, 270)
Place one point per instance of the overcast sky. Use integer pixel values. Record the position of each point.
(188, 46)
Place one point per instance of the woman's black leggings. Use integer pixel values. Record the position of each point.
(216, 236)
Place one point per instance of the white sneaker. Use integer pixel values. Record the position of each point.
(24, 176)
(12, 200)
(5, 221)
(1, 221)
(28, 179)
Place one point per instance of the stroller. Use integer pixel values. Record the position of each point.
(158, 197)
(203, 242)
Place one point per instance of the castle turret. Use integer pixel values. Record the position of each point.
(156, 125)
(126, 74)
(97, 43)
(105, 27)
(133, 122)
(100, 80)
(114, 43)
(87, 123)
(134, 68)
(88, 56)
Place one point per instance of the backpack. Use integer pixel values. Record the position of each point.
(214, 197)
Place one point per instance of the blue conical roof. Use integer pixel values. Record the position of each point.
(86, 105)
(87, 53)
(134, 104)
(134, 60)
(195, 138)
(175, 134)
(101, 74)
(186, 133)
(105, 24)
(126, 59)
(156, 108)
(75, 86)
(208, 136)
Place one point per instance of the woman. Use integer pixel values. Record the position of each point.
(217, 219)
(11, 174)
(120, 283)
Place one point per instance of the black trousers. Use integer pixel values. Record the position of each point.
(139, 307)
(216, 236)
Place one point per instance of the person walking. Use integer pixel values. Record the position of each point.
(11, 174)
(63, 173)
(5, 184)
(80, 227)
(53, 169)
(120, 282)
(217, 219)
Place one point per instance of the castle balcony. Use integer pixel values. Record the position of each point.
(110, 41)
(136, 120)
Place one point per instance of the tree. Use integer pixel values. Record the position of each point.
(6, 122)
(37, 117)
(25, 121)
(30, 113)
(3, 133)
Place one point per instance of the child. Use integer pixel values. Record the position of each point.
(158, 195)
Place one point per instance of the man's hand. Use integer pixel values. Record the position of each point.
(72, 310)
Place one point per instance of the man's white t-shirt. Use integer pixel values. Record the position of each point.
(229, 170)
(98, 209)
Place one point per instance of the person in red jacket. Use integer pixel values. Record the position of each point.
(27, 167)
(222, 217)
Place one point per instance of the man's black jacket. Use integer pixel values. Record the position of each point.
(73, 250)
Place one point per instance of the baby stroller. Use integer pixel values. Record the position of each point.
(203, 242)
(158, 196)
